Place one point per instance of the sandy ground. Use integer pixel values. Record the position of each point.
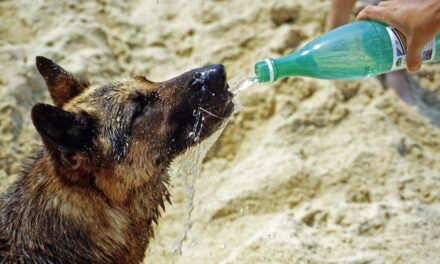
(307, 171)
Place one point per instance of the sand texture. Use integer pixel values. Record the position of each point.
(307, 171)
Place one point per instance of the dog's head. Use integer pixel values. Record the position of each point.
(130, 122)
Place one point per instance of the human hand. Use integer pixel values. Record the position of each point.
(417, 20)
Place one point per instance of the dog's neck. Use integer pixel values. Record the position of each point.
(112, 219)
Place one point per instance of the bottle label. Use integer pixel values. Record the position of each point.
(399, 49)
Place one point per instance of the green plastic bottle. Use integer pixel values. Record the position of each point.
(354, 51)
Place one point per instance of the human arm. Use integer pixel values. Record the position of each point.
(339, 13)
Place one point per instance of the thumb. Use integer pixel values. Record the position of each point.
(414, 55)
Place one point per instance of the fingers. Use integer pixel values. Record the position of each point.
(371, 12)
(414, 55)
(380, 13)
(385, 3)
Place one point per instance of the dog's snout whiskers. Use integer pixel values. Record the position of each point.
(210, 113)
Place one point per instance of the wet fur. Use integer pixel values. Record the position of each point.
(91, 193)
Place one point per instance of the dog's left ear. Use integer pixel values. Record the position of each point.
(63, 86)
(63, 130)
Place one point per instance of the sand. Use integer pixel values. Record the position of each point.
(307, 171)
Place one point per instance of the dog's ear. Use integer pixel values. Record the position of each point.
(63, 130)
(143, 79)
(62, 85)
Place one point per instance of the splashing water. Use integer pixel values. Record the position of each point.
(190, 169)
(244, 84)
(191, 162)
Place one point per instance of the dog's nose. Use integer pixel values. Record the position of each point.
(215, 73)
(214, 76)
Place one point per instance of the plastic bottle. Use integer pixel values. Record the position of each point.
(354, 51)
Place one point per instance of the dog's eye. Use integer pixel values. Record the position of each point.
(148, 110)
(145, 105)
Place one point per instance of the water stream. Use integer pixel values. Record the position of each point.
(190, 163)
(243, 84)
(189, 170)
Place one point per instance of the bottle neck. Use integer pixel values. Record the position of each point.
(272, 72)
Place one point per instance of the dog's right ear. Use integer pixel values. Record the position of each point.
(63, 130)
(62, 85)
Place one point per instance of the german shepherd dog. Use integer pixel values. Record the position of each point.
(91, 193)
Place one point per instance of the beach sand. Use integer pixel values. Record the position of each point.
(307, 171)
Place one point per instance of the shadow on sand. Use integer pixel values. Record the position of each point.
(427, 102)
